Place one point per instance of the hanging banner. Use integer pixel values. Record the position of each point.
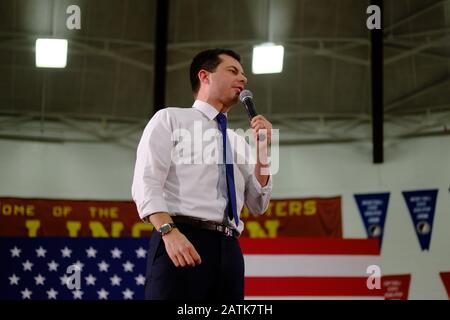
(70, 218)
(445, 277)
(373, 209)
(312, 217)
(421, 205)
(396, 287)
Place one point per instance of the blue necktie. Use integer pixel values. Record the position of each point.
(228, 159)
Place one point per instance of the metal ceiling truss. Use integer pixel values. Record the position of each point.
(390, 29)
(320, 47)
(333, 48)
(64, 128)
(396, 104)
(295, 129)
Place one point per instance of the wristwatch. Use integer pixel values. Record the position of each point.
(166, 228)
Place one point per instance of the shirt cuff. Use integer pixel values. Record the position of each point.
(261, 189)
(148, 208)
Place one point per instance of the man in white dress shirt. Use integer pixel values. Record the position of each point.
(194, 205)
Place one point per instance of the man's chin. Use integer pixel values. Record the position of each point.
(235, 100)
(231, 102)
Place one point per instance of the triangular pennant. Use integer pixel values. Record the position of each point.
(422, 205)
(445, 276)
(373, 209)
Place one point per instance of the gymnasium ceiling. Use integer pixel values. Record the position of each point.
(324, 87)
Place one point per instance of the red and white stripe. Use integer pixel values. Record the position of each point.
(309, 268)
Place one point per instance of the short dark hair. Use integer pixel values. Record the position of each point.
(207, 60)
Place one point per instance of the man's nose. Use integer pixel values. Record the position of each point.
(243, 79)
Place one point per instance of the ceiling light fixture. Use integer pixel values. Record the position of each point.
(51, 53)
(267, 58)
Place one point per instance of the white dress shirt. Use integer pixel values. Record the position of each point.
(196, 187)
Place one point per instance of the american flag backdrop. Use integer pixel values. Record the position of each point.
(114, 268)
(311, 268)
(72, 268)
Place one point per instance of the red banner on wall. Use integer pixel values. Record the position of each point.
(312, 217)
(74, 218)
(445, 276)
(396, 287)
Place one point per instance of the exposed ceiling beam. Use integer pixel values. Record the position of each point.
(414, 15)
(349, 46)
(417, 49)
(430, 124)
(14, 121)
(115, 56)
(296, 126)
(412, 111)
(106, 42)
(76, 116)
(330, 54)
(416, 93)
(399, 46)
(23, 137)
(84, 128)
(423, 33)
(100, 135)
(296, 131)
(103, 40)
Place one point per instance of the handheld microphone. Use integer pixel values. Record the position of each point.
(246, 98)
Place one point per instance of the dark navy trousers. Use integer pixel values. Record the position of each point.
(220, 276)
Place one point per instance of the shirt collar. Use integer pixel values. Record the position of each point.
(208, 110)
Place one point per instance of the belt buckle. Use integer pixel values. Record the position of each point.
(225, 230)
(222, 229)
(228, 231)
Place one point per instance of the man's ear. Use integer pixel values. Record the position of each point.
(203, 76)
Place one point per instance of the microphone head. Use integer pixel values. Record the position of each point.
(245, 94)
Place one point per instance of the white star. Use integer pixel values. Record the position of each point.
(15, 252)
(41, 252)
(39, 279)
(115, 281)
(66, 252)
(102, 294)
(103, 266)
(141, 253)
(90, 280)
(52, 266)
(64, 280)
(116, 253)
(140, 280)
(91, 252)
(14, 280)
(127, 294)
(26, 294)
(27, 265)
(51, 294)
(128, 266)
(78, 266)
(77, 294)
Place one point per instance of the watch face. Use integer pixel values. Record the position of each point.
(165, 228)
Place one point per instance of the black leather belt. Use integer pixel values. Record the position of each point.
(207, 225)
